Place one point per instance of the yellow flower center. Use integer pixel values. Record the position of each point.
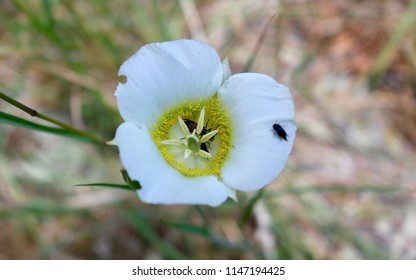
(195, 137)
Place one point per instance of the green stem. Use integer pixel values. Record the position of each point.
(36, 114)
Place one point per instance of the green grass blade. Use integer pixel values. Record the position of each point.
(133, 184)
(161, 20)
(390, 48)
(107, 185)
(248, 210)
(16, 121)
(147, 231)
(335, 189)
(191, 229)
(38, 22)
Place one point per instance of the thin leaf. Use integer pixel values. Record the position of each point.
(17, 121)
(36, 114)
(133, 184)
(107, 185)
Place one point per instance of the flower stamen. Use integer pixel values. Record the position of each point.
(173, 142)
(195, 143)
(200, 125)
(204, 154)
(183, 126)
(207, 137)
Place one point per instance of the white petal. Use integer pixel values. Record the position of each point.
(161, 184)
(112, 142)
(226, 70)
(256, 102)
(162, 75)
(232, 193)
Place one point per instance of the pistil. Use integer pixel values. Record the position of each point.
(193, 141)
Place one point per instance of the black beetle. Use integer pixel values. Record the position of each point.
(280, 131)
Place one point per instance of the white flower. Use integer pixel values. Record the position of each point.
(194, 134)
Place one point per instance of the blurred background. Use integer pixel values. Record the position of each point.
(348, 191)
